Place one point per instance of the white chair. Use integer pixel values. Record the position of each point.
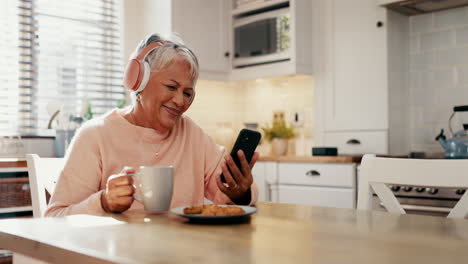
(43, 175)
(376, 172)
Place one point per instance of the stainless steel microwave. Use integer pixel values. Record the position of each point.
(262, 38)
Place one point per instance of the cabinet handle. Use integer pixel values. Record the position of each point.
(379, 24)
(313, 173)
(226, 54)
(353, 142)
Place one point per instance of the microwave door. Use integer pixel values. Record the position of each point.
(258, 38)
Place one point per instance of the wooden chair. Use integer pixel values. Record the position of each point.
(376, 172)
(43, 175)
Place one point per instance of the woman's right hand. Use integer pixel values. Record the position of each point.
(118, 195)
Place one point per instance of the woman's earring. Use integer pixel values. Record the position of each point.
(137, 94)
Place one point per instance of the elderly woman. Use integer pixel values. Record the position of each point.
(153, 131)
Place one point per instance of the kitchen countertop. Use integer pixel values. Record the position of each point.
(324, 159)
(277, 233)
(313, 159)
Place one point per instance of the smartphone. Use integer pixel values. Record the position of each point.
(247, 141)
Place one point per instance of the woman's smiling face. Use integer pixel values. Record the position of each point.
(168, 94)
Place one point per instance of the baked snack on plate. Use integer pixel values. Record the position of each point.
(213, 210)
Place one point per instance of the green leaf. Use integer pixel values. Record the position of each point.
(89, 113)
(278, 130)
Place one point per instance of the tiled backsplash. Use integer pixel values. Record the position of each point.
(254, 101)
(438, 73)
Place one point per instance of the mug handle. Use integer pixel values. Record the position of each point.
(136, 186)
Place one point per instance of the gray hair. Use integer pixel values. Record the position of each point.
(163, 55)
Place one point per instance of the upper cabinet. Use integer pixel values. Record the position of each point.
(265, 39)
(386, 2)
(270, 38)
(357, 99)
(352, 90)
(203, 25)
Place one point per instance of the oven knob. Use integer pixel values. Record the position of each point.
(432, 190)
(460, 192)
(420, 189)
(407, 188)
(395, 188)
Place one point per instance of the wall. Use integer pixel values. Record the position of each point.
(438, 73)
(255, 101)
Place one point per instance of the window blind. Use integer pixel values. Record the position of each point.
(9, 67)
(67, 52)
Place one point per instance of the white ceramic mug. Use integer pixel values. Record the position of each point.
(153, 187)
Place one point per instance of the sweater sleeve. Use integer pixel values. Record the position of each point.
(78, 188)
(214, 158)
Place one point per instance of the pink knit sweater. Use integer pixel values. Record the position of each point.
(105, 145)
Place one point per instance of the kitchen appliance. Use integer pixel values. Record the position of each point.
(423, 200)
(416, 7)
(262, 37)
(457, 146)
(435, 201)
(324, 151)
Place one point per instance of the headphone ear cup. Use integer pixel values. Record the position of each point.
(145, 77)
(133, 74)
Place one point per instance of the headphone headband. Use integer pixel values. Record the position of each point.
(146, 50)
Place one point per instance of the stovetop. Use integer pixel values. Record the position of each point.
(423, 191)
(427, 192)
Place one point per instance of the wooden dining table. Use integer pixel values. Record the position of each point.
(276, 233)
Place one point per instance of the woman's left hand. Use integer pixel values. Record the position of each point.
(238, 180)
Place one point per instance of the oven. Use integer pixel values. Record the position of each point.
(423, 200)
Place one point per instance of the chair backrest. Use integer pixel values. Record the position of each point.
(376, 172)
(43, 175)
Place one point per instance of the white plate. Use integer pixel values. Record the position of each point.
(248, 211)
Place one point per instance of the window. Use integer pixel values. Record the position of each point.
(57, 53)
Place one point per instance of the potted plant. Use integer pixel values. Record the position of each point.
(278, 134)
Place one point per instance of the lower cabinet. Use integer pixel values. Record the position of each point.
(319, 184)
(319, 196)
(265, 173)
(258, 174)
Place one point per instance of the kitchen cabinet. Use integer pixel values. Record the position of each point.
(359, 67)
(317, 184)
(258, 174)
(264, 174)
(358, 142)
(318, 196)
(308, 183)
(301, 39)
(352, 88)
(386, 2)
(204, 27)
